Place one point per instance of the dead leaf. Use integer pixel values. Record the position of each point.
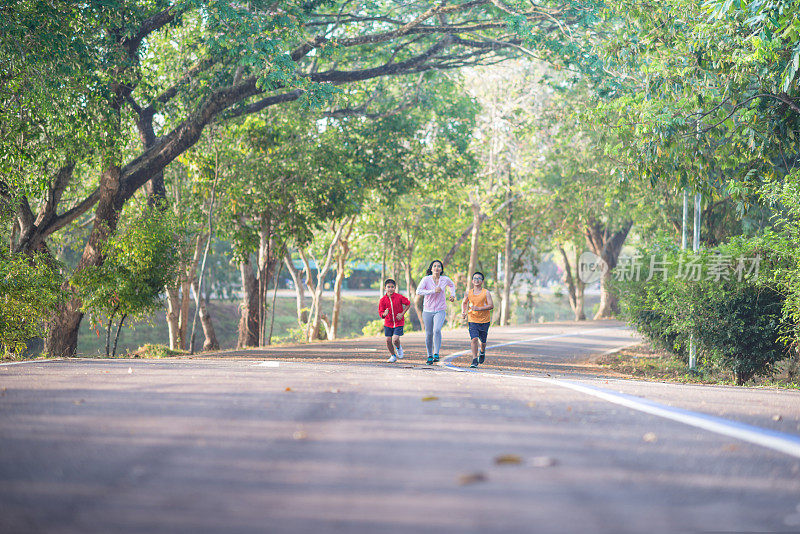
(429, 398)
(777, 417)
(543, 461)
(334, 390)
(508, 459)
(650, 437)
(300, 435)
(471, 478)
(288, 389)
(531, 404)
(78, 402)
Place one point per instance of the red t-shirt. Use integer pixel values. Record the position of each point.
(395, 306)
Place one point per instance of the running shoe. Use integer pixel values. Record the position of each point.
(400, 352)
(481, 357)
(392, 359)
(430, 360)
(474, 363)
(435, 358)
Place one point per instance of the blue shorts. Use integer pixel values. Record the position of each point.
(390, 331)
(479, 330)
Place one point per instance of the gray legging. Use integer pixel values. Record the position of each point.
(434, 321)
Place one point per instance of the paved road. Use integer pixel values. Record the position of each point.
(535, 441)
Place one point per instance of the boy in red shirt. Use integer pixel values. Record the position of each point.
(392, 307)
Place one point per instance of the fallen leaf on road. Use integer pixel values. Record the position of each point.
(471, 478)
(531, 404)
(777, 417)
(78, 402)
(650, 437)
(569, 408)
(508, 459)
(300, 434)
(730, 447)
(543, 461)
(334, 390)
(3, 392)
(288, 389)
(429, 398)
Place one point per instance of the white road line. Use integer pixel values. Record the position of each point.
(447, 359)
(31, 361)
(777, 441)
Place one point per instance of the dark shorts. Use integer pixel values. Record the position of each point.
(479, 330)
(389, 331)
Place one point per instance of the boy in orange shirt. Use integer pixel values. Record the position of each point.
(392, 307)
(479, 302)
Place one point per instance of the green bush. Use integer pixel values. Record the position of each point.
(30, 288)
(725, 298)
(373, 328)
(156, 351)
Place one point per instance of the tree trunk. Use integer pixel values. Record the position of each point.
(186, 297)
(62, 336)
(248, 321)
(316, 292)
(341, 263)
(209, 333)
(116, 337)
(473, 248)
(505, 314)
(416, 300)
(173, 315)
(575, 286)
(264, 253)
(608, 246)
(299, 285)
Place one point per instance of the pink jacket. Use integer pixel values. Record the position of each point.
(435, 301)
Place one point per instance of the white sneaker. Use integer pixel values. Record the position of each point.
(400, 352)
(392, 359)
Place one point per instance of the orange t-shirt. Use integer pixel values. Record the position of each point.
(480, 316)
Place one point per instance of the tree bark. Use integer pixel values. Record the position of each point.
(248, 321)
(505, 313)
(173, 315)
(476, 228)
(316, 292)
(416, 300)
(186, 298)
(575, 286)
(341, 264)
(299, 286)
(62, 337)
(116, 337)
(607, 245)
(210, 335)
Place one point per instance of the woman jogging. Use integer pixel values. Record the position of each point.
(434, 308)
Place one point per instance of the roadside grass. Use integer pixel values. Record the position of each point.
(646, 363)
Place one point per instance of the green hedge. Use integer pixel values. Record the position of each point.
(727, 298)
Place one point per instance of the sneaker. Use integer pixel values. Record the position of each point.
(430, 360)
(435, 358)
(474, 363)
(400, 352)
(481, 357)
(392, 359)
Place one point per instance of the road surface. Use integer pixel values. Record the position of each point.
(329, 438)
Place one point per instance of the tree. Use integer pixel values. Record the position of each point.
(231, 60)
(140, 260)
